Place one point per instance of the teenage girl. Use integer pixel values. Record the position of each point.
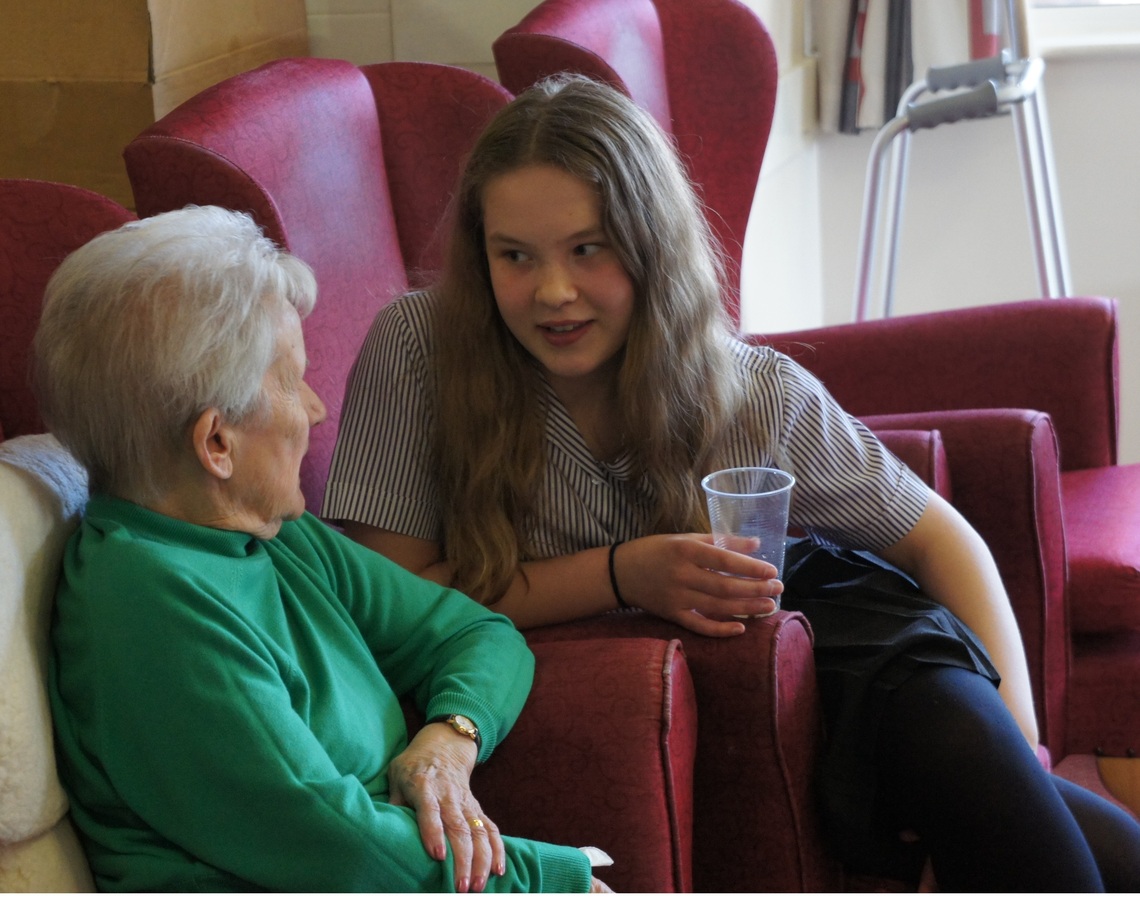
(534, 432)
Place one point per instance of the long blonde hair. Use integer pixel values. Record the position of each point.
(676, 391)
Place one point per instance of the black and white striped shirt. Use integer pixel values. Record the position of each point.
(850, 490)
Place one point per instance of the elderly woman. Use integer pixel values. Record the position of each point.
(227, 669)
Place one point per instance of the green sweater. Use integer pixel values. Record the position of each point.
(226, 707)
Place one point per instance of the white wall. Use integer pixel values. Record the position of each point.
(965, 239)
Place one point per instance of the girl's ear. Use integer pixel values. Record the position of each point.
(213, 441)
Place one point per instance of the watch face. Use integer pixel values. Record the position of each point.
(464, 724)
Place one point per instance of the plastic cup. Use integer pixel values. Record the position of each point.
(751, 502)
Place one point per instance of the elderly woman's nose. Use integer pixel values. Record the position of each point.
(314, 406)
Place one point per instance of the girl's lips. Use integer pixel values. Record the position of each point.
(563, 333)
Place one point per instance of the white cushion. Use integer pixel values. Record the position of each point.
(52, 862)
(42, 492)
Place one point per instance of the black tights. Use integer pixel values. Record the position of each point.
(954, 768)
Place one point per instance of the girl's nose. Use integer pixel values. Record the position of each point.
(555, 286)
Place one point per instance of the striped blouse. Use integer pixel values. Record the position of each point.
(850, 490)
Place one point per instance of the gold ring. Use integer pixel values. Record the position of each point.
(476, 823)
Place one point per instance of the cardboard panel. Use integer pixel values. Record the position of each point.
(80, 78)
(190, 33)
(74, 133)
(75, 40)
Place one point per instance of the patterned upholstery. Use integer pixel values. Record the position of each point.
(40, 223)
(622, 780)
(430, 115)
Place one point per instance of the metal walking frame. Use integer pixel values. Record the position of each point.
(980, 89)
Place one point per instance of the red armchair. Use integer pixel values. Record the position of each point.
(40, 223)
(1060, 357)
(706, 71)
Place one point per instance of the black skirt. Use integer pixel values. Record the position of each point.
(872, 628)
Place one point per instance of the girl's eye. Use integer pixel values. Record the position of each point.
(587, 249)
(515, 255)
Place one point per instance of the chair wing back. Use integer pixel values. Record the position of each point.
(297, 144)
(430, 116)
(40, 223)
(616, 41)
(706, 71)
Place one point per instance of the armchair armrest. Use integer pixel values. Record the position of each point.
(1005, 477)
(602, 755)
(1056, 355)
(755, 826)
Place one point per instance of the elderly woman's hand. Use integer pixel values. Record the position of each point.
(433, 777)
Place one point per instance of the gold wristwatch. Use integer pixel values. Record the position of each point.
(464, 726)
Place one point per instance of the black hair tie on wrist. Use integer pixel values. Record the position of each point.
(613, 577)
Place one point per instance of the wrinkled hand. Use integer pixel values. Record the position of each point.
(433, 777)
(682, 578)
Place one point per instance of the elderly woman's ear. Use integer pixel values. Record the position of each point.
(213, 444)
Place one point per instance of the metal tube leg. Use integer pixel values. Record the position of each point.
(864, 262)
(1031, 179)
(1051, 198)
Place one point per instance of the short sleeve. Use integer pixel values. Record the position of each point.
(381, 473)
(850, 491)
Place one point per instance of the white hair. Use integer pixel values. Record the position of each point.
(149, 325)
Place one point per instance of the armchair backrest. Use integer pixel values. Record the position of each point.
(706, 71)
(430, 116)
(1059, 356)
(40, 223)
(297, 144)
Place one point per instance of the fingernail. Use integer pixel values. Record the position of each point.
(461, 884)
(478, 884)
(501, 870)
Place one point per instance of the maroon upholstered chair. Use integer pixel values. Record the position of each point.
(40, 223)
(706, 71)
(1059, 357)
(603, 753)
